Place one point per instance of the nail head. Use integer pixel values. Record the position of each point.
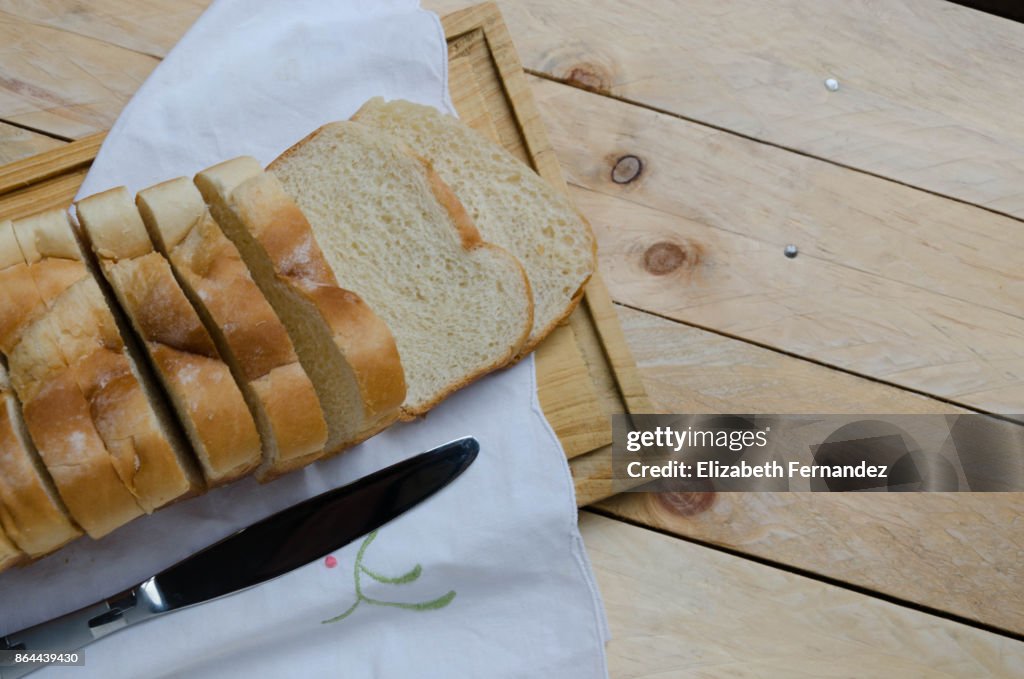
(831, 84)
(791, 251)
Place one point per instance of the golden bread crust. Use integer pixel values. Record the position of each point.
(198, 381)
(59, 420)
(220, 283)
(31, 516)
(277, 223)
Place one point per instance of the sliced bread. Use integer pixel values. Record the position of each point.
(200, 385)
(22, 292)
(56, 418)
(347, 350)
(59, 420)
(138, 430)
(31, 511)
(247, 332)
(507, 201)
(393, 232)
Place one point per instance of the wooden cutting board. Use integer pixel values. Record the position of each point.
(584, 369)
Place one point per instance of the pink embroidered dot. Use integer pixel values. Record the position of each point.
(330, 562)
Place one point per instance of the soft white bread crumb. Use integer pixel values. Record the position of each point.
(346, 349)
(507, 201)
(394, 233)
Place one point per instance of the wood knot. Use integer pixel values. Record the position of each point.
(663, 258)
(590, 77)
(686, 503)
(627, 169)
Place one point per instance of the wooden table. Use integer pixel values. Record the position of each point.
(885, 141)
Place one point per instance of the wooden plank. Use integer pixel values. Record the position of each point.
(150, 27)
(928, 92)
(50, 193)
(891, 282)
(476, 47)
(64, 84)
(465, 93)
(680, 610)
(64, 158)
(16, 143)
(592, 476)
(959, 553)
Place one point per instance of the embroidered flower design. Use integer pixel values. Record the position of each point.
(360, 570)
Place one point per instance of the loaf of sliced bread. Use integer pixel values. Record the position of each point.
(507, 201)
(247, 332)
(31, 511)
(202, 390)
(394, 233)
(347, 350)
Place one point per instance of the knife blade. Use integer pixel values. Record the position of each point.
(256, 554)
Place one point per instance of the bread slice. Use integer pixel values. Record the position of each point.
(247, 332)
(394, 233)
(59, 420)
(140, 436)
(31, 512)
(347, 350)
(55, 413)
(22, 292)
(149, 452)
(199, 383)
(507, 201)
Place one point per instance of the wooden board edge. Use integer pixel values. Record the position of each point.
(527, 115)
(43, 166)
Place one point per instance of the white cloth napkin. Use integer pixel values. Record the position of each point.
(500, 563)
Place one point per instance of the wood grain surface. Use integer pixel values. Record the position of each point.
(681, 610)
(149, 27)
(929, 92)
(63, 84)
(961, 553)
(17, 143)
(891, 282)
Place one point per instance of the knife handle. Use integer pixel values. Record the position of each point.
(75, 630)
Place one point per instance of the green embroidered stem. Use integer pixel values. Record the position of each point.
(411, 576)
(350, 611)
(439, 602)
(400, 580)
